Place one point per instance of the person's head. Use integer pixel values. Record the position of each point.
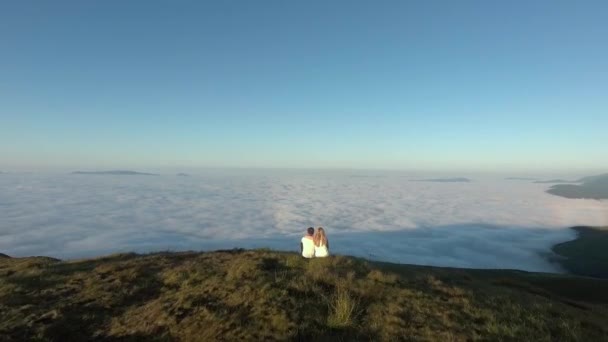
(320, 238)
(310, 231)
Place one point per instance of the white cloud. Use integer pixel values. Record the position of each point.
(490, 222)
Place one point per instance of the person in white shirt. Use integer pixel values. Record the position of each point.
(307, 246)
(321, 243)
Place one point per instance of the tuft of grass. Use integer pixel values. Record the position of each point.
(343, 307)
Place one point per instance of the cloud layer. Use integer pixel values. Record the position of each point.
(490, 222)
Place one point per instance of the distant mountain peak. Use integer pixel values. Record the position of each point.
(114, 172)
(552, 181)
(444, 180)
(592, 187)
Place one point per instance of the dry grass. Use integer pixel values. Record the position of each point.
(343, 307)
(272, 296)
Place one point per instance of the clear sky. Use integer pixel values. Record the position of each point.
(338, 84)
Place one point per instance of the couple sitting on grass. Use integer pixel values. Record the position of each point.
(314, 244)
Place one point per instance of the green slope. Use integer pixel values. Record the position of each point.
(588, 254)
(263, 295)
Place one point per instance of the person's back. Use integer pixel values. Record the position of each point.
(321, 251)
(307, 245)
(321, 243)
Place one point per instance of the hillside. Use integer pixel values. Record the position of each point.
(592, 187)
(264, 295)
(587, 255)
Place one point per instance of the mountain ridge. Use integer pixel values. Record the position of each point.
(592, 187)
(254, 295)
(114, 172)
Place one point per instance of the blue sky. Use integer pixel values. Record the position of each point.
(438, 85)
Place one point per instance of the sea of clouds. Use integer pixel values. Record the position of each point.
(489, 222)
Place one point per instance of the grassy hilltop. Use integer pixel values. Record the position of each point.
(262, 295)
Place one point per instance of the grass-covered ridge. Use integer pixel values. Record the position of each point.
(263, 295)
(586, 255)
